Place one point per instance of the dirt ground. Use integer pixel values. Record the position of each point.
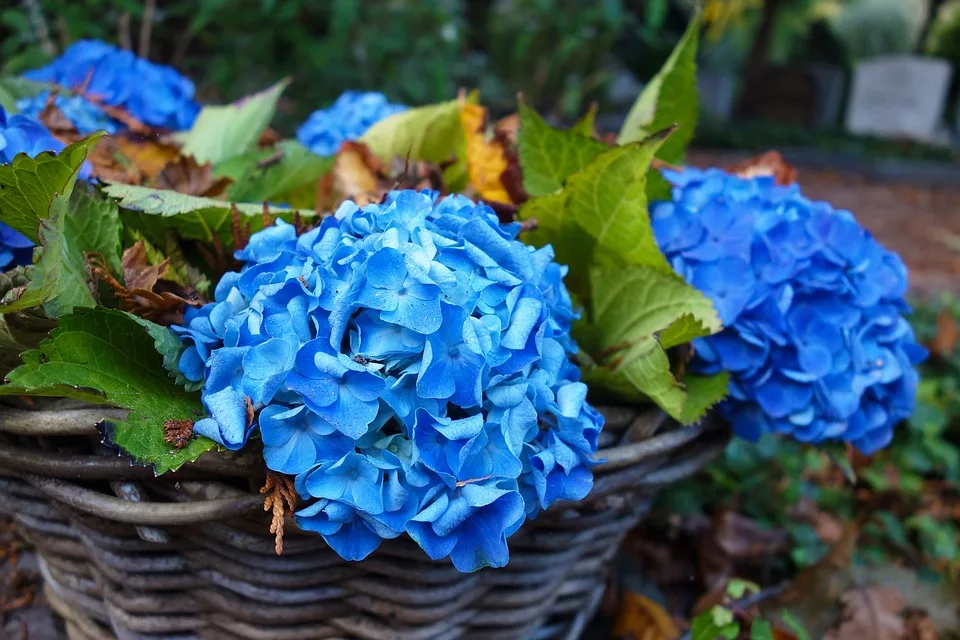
(922, 224)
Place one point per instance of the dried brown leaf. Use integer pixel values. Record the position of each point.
(138, 296)
(148, 153)
(359, 175)
(280, 498)
(870, 613)
(770, 163)
(734, 538)
(185, 175)
(946, 339)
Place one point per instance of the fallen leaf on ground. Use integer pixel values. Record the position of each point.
(919, 626)
(870, 613)
(734, 538)
(640, 618)
(946, 339)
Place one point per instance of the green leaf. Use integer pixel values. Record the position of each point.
(761, 630)
(225, 131)
(548, 155)
(168, 345)
(793, 624)
(59, 280)
(716, 623)
(837, 452)
(288, 173)
(670, 98)
(108, 356)
(600, 217)
(703, 393)
(432, 133)
(153, 212)
(35, 188)
(636, 313)
(585, 125)
(12, 88)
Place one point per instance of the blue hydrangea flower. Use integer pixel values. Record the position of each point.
(815, 339)
(409, 362)
(347, 118)
(86, 117)
(154, 94)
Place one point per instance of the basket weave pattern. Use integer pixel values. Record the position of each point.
(189, 555)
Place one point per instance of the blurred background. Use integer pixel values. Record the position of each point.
(781, 70)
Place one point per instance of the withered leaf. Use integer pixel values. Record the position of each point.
(946, 339)
(139, 295)
(359, 175)
(185, 175)
(770, 163)
(640, 618)
(870, 613)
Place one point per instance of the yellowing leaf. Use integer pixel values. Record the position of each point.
(643, 619)
(486, 156)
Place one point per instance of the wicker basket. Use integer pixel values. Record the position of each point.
(188, 555)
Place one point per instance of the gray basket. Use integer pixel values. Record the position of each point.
(189, 555)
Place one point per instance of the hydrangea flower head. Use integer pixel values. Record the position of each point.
(87, 117)
(154, 94)
(815, 339)
(347, 118)
(409, 363)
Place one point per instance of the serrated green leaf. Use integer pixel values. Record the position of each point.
(154, 212)
(35, 188)
(432, 133)
(58, 279)
(600, 217)
(703, 393)
(671, 97)
(287, 173)
(221, 132)
(168, 345)
(631, 311)
(585, 125)
(110, 356)
(548, 155)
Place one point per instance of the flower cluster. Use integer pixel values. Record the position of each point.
(20, 134)
(815, 340)
(409, 363)
(85, 116)
(154, 94)
(346, 119)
